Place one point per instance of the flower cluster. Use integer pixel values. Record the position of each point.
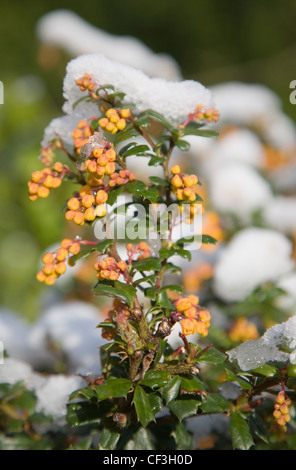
(142, 250)
(89, 203)
(182, 185)
(55, 263)
(209, 115)
(81, 134)
(243, 330)
(281, 409)
(81, 210)
(87, 83)
(114, 120)
(194, 317)
(43, 181)
(109, 268)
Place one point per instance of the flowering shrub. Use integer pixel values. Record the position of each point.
(161, 363)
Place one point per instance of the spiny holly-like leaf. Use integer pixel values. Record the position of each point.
(113, 388)
(184, 407)
(108, 439)
(156, 379)
(171, 390)
(142, 406)
(240, 432)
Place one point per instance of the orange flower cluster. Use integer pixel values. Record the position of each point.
(101, 162)
(122, 177)
(182, 185)
(142, 249)
(281, 409)
(90, 203)
(81, 135)
(87, 83)
(55, 263)
(243, 330)
(208, 115)
(114, 120)
(195, 319)
(43, 181)
(109, 268)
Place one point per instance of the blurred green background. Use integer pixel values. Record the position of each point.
(213, 41)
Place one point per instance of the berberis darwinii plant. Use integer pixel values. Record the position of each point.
(147, 387)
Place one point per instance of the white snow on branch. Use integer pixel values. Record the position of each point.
(254, 353)
(175, 100)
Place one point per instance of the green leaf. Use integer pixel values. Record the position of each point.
(123, 291)
(240, 432)
(135, 150)
(163, 300)
(85, 251)
(140, 440)
(113, 388)
(165, 253)
(155, 379)
(147, 264)
(160, 118)
(205, 239)
(142, 406)
(190, 130)
(158, 181)
(267, 370)
(212, 356)
(192, 384)
(136, 187)
(113, 194)
(108, 439)
(182, 437)
(151, 194)
(142, 122)
(182, 145)
(215, 403)
(184, 407)
(174, 287)
(171, 390)
(126, 134)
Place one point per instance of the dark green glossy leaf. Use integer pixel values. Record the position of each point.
(267, 370)
(184, 407)
(212, 356)
(156, 379)
(113, 388)
(215, 403)
(142, 406)
(108, 439)
(171, 390)
(240, 432)
(135, 150)
(182, 437)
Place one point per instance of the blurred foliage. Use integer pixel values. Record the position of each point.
(212, 41)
